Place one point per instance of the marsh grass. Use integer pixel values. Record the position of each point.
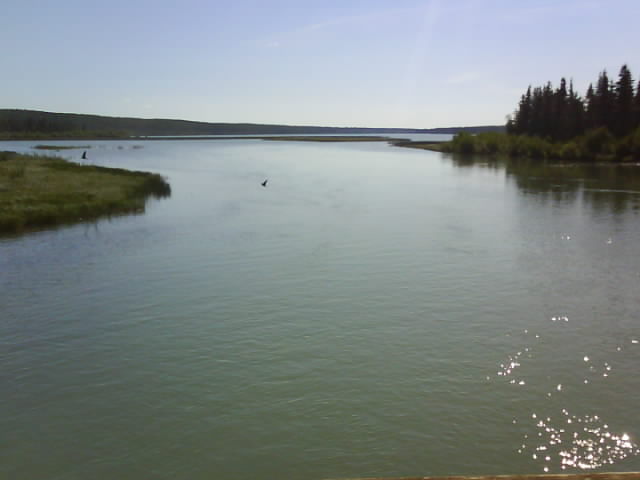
(38, 192)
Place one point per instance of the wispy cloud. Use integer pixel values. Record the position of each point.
(370, 18)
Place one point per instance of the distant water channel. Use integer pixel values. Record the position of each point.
(374, 311)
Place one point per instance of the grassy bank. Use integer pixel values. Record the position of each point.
(38, 192)
(596, 145)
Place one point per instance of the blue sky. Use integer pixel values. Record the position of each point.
(401, 63)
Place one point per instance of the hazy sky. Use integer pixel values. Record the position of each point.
(400, 63)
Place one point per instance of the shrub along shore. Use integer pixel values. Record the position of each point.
(597, 145)
(43, 191)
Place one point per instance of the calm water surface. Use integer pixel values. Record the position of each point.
(374, 311)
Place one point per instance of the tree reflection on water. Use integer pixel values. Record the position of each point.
(601, 187)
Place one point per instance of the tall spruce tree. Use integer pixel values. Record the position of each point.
(560, 124)
(636, 105)
(547, 111)
(604, 102)
(575, 115)
(562, 114)
(523, 115)
(623, 103)
(590, 108)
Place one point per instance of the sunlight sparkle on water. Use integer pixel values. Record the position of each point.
(563, 440)
(585, 443)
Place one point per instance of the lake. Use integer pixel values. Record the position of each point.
(374, 311)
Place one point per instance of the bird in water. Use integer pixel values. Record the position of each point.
(84, 155)
(264, 184)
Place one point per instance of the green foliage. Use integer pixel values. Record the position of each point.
(499, 143)
(463, 142)
(571, 152)
(16, 172)
(632, 144)
(6, 155)
(561, 114)
(624, 103)
(597, 141)
(595, 145)
(36, 192)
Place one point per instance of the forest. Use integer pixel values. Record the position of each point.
(602, 125)
(561, 113)
(34, 124)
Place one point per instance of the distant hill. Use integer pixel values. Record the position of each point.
(24, 121)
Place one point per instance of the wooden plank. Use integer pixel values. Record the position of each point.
(546, 476)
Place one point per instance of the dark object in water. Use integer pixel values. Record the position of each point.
(264, 184)
(84, 155)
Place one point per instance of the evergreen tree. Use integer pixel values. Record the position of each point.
(636, 105)
(605, 103)
(537, 120)
(575, 115)
(623, 103)
(560, 120)
(548, 111)
(561, 114)
(590, 108)
(523, 115)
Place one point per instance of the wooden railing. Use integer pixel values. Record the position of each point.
(546, 476)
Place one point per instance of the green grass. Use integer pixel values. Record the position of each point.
(39, 192)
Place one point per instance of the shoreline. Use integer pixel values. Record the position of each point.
(41, 192)
(440, 146)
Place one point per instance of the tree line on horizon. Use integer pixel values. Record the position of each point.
(39, 124)
(561, 114)
(558, 123)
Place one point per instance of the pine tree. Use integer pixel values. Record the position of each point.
(623, 103)
(537, 120)
(523, 115)
(561, 114)
(547, 111)
(604, 102)
(590, 108)
(576, 114)
(560, 121)
(636, 105)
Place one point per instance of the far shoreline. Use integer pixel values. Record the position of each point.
(440, 146)
(432, 145)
